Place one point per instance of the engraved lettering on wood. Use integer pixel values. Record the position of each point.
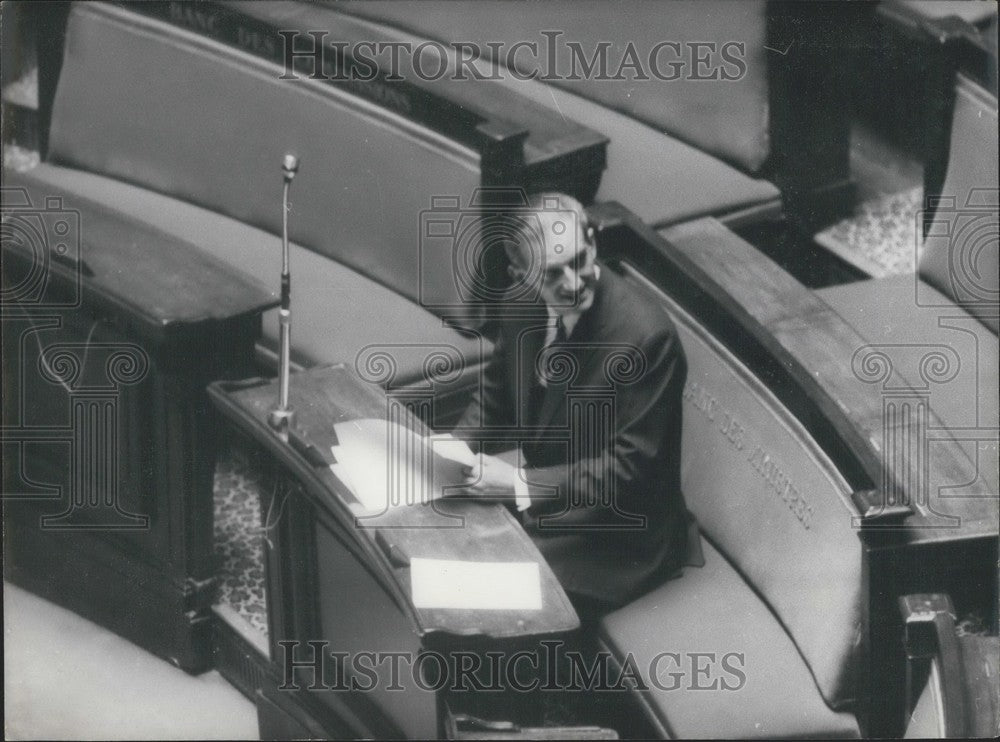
(735, 434)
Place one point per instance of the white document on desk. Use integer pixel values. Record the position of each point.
(449, 583)
(453, 449)
(386, 465)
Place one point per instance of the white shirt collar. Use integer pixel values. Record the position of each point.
(569, 320)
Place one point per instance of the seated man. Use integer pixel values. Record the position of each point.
(586, 381)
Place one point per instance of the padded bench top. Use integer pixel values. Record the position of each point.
(731, 671)
(719, 107)
(660, 178)
(98, 255)
(909, 319)
(337, 312)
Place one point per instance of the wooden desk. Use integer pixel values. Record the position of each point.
(111, 331)
(344, 581)
(448, 529)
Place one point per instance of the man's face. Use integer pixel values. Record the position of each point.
(566, 257)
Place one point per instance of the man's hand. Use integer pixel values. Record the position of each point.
(493, 476)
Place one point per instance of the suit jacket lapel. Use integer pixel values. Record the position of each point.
(589, 329)
(553, 399)
(529, 336)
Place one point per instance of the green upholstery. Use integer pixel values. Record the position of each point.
(960, 252)
(887, 312)
(652, 166)
(337, 312)
(713, 611)
(211, 127)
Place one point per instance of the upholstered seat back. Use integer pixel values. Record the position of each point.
(771, 501)
(712, 94)
(959, 256)
(146, 102)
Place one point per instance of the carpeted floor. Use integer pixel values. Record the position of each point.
(882, 238)
(239, 539)
(19, 159)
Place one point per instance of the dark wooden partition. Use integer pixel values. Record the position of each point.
(810, 75)
(111, 330)
(907, 75)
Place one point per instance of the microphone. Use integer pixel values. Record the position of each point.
(282, 416)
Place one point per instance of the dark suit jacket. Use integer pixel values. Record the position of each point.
(601, 441)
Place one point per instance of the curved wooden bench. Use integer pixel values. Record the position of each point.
(777, 517)
(767, 112)
(804, 494)
(338, 312)
(211, 127)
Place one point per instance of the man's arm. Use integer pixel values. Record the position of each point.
(648, 418)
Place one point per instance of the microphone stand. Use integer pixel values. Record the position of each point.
(282, 417)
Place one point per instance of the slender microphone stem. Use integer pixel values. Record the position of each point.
(285, 312)
(281, 417)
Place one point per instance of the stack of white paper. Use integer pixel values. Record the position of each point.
(387, 465)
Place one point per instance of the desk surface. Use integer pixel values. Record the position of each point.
(102, 256)
(451, 529)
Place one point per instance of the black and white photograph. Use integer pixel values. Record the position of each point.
(500, 369)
